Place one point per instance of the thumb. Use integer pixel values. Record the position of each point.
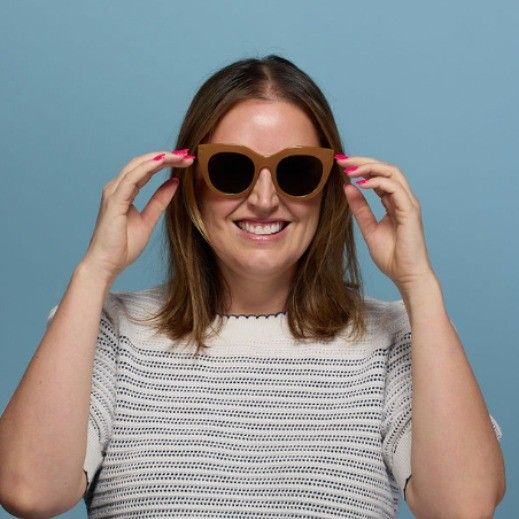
(159, 201)
(360, 208)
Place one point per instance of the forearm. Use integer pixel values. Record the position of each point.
(456, 460)
(43, 428)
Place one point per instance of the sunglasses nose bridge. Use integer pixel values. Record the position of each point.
(266, 163)
(262, 163)
(270, 163)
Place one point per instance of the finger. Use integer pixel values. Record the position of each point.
(145, 169)
(163, 158)
(382, 169)
(370, 173)
(136, 161)
(159, 201)
(129, 185)
(356, 160)
(397, 196)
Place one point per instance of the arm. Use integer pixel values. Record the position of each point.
(456, 460)
(43, 430)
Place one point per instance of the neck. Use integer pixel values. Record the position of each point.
(254, 294)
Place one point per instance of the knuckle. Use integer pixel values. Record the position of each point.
(133, 161)
(108, 187)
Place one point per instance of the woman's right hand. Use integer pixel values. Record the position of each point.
(121, 233)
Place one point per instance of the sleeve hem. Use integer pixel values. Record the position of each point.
(405, 487)
(402, 460)
(93, 455)
(496, 427)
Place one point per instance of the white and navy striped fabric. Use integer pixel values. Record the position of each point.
(259, 426)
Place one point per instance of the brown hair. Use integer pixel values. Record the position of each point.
(323, 299)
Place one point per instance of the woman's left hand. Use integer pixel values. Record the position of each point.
(397, 242)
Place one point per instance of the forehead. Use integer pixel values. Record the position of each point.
(266, 126)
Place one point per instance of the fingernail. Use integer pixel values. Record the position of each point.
(350, 169)
(189, 156)
(361, 181)
(341, 156)
(183, 151)
(159, 156)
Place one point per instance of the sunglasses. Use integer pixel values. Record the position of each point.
(231, 170)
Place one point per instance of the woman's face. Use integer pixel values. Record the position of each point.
(266, 127)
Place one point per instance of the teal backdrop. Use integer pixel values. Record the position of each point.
(431, 87)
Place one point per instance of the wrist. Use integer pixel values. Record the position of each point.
(425, 290)
(97, 276)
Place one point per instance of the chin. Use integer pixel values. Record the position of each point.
(265, 263)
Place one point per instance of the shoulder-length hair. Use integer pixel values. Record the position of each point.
(326, 293)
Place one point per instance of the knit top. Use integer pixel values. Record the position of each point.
(260, 425)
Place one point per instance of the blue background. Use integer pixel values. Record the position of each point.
(431, 87)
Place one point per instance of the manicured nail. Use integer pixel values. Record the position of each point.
(341, 156)
(361, 181)
(183, 151)
(189, 156)
(159, 156)
(350, 169)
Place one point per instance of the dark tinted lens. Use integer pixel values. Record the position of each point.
(230, 172)
(299, 175)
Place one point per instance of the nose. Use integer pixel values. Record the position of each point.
(264, 194)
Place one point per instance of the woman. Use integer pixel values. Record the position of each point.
(257, 381)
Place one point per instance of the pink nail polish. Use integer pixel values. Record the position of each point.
(341, 156)
(189, 156)
(361, 181)
(350, 169)
(159, 156)
(183, 151)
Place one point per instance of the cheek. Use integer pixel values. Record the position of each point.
(312, 220)
(216, 211)
(309, 212)
(310, 230)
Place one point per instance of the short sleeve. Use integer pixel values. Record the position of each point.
(396, 411)
(396, 414)
(103, 388)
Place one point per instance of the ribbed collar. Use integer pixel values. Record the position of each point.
(248, 316)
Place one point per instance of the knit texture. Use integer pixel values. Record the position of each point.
(259, 426)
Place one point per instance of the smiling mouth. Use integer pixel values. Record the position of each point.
(284, 226)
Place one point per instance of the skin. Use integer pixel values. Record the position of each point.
(259, 274)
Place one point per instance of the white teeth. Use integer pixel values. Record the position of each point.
(260, 229)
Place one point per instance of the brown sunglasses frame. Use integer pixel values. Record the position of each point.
(206, 151)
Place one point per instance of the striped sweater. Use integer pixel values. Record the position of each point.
(258, 426)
